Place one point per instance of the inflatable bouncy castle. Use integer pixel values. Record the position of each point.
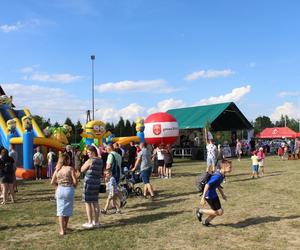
(19, 128)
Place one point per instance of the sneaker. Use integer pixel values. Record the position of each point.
(103, 211)
(88, 225)
(206, 224)
(118, 211)
(123, 203)
(199, 215)
(166, 177)
(96, 225)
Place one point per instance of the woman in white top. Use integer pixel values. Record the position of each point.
(159, 151)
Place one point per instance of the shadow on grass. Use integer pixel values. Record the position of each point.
(156, 205)
(138, 220)
(242, 174)
(33, 198)
(186, 174)
(174, 195)
(6, 227)
(268, 175)
(259, 220)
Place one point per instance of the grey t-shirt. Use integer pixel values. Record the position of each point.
(14, 154)
(145, 156)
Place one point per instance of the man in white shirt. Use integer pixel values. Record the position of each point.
(211, 156)
(38, 159)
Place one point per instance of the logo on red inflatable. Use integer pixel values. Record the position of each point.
(157, 129)
(161, 128)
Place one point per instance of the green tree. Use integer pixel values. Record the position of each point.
(120, 128)
(261, 123)
(76, 133)
(56, 124)
(133, 129)
(69, 122)
(128, 130)
(289, 122)
(42, 123)
(110, 127)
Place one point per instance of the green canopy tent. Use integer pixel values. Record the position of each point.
(221, 117)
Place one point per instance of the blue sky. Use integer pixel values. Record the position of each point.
(150, 56)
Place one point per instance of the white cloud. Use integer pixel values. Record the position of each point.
(288, 108)
(31, 73)
(167, 104)
(7, 28)
(158, 85)
(59, 78)
(47, 102)
(209, 74)
(56, 104)
(112, 114)
(285, 94)
(28, 69)
(234, 96)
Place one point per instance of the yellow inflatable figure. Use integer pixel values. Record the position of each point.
(68, 130)
(4, 99)
(140, 126)
(95, 130)
(27, 122)
(11, 125)
(59, 135)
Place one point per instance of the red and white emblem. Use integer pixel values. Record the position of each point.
(161, 128)
(157, 129)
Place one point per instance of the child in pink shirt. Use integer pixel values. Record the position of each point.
(261, 160)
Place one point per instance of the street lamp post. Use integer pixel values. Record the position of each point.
(93, 86)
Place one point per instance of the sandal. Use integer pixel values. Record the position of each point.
(103, 211)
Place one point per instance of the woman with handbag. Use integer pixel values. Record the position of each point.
(91, 187)
(65, 179)
(7, 176)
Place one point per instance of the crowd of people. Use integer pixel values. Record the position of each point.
(105, 164)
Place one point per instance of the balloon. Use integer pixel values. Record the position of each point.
(161, 128)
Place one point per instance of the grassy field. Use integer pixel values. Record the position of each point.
(259, 214)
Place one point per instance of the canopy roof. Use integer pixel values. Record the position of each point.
(221, 117)
(276, 133)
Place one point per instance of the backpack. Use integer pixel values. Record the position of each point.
(115, 168)
(54, 157)
(201, 181)
(37, 160)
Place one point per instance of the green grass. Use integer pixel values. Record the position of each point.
(259, 214)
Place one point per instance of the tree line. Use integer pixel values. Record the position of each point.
(263, 122)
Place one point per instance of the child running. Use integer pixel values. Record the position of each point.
(210, 195)
(112, 189)
(255, 164)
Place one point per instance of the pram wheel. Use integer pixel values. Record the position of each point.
(138, 191)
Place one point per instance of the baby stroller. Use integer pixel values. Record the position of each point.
(128, 181)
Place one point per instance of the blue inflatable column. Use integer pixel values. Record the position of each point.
(28, 150)
(9, 136)
(89, 141)
(141, 136)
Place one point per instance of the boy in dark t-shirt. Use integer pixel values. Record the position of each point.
(210, 194)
